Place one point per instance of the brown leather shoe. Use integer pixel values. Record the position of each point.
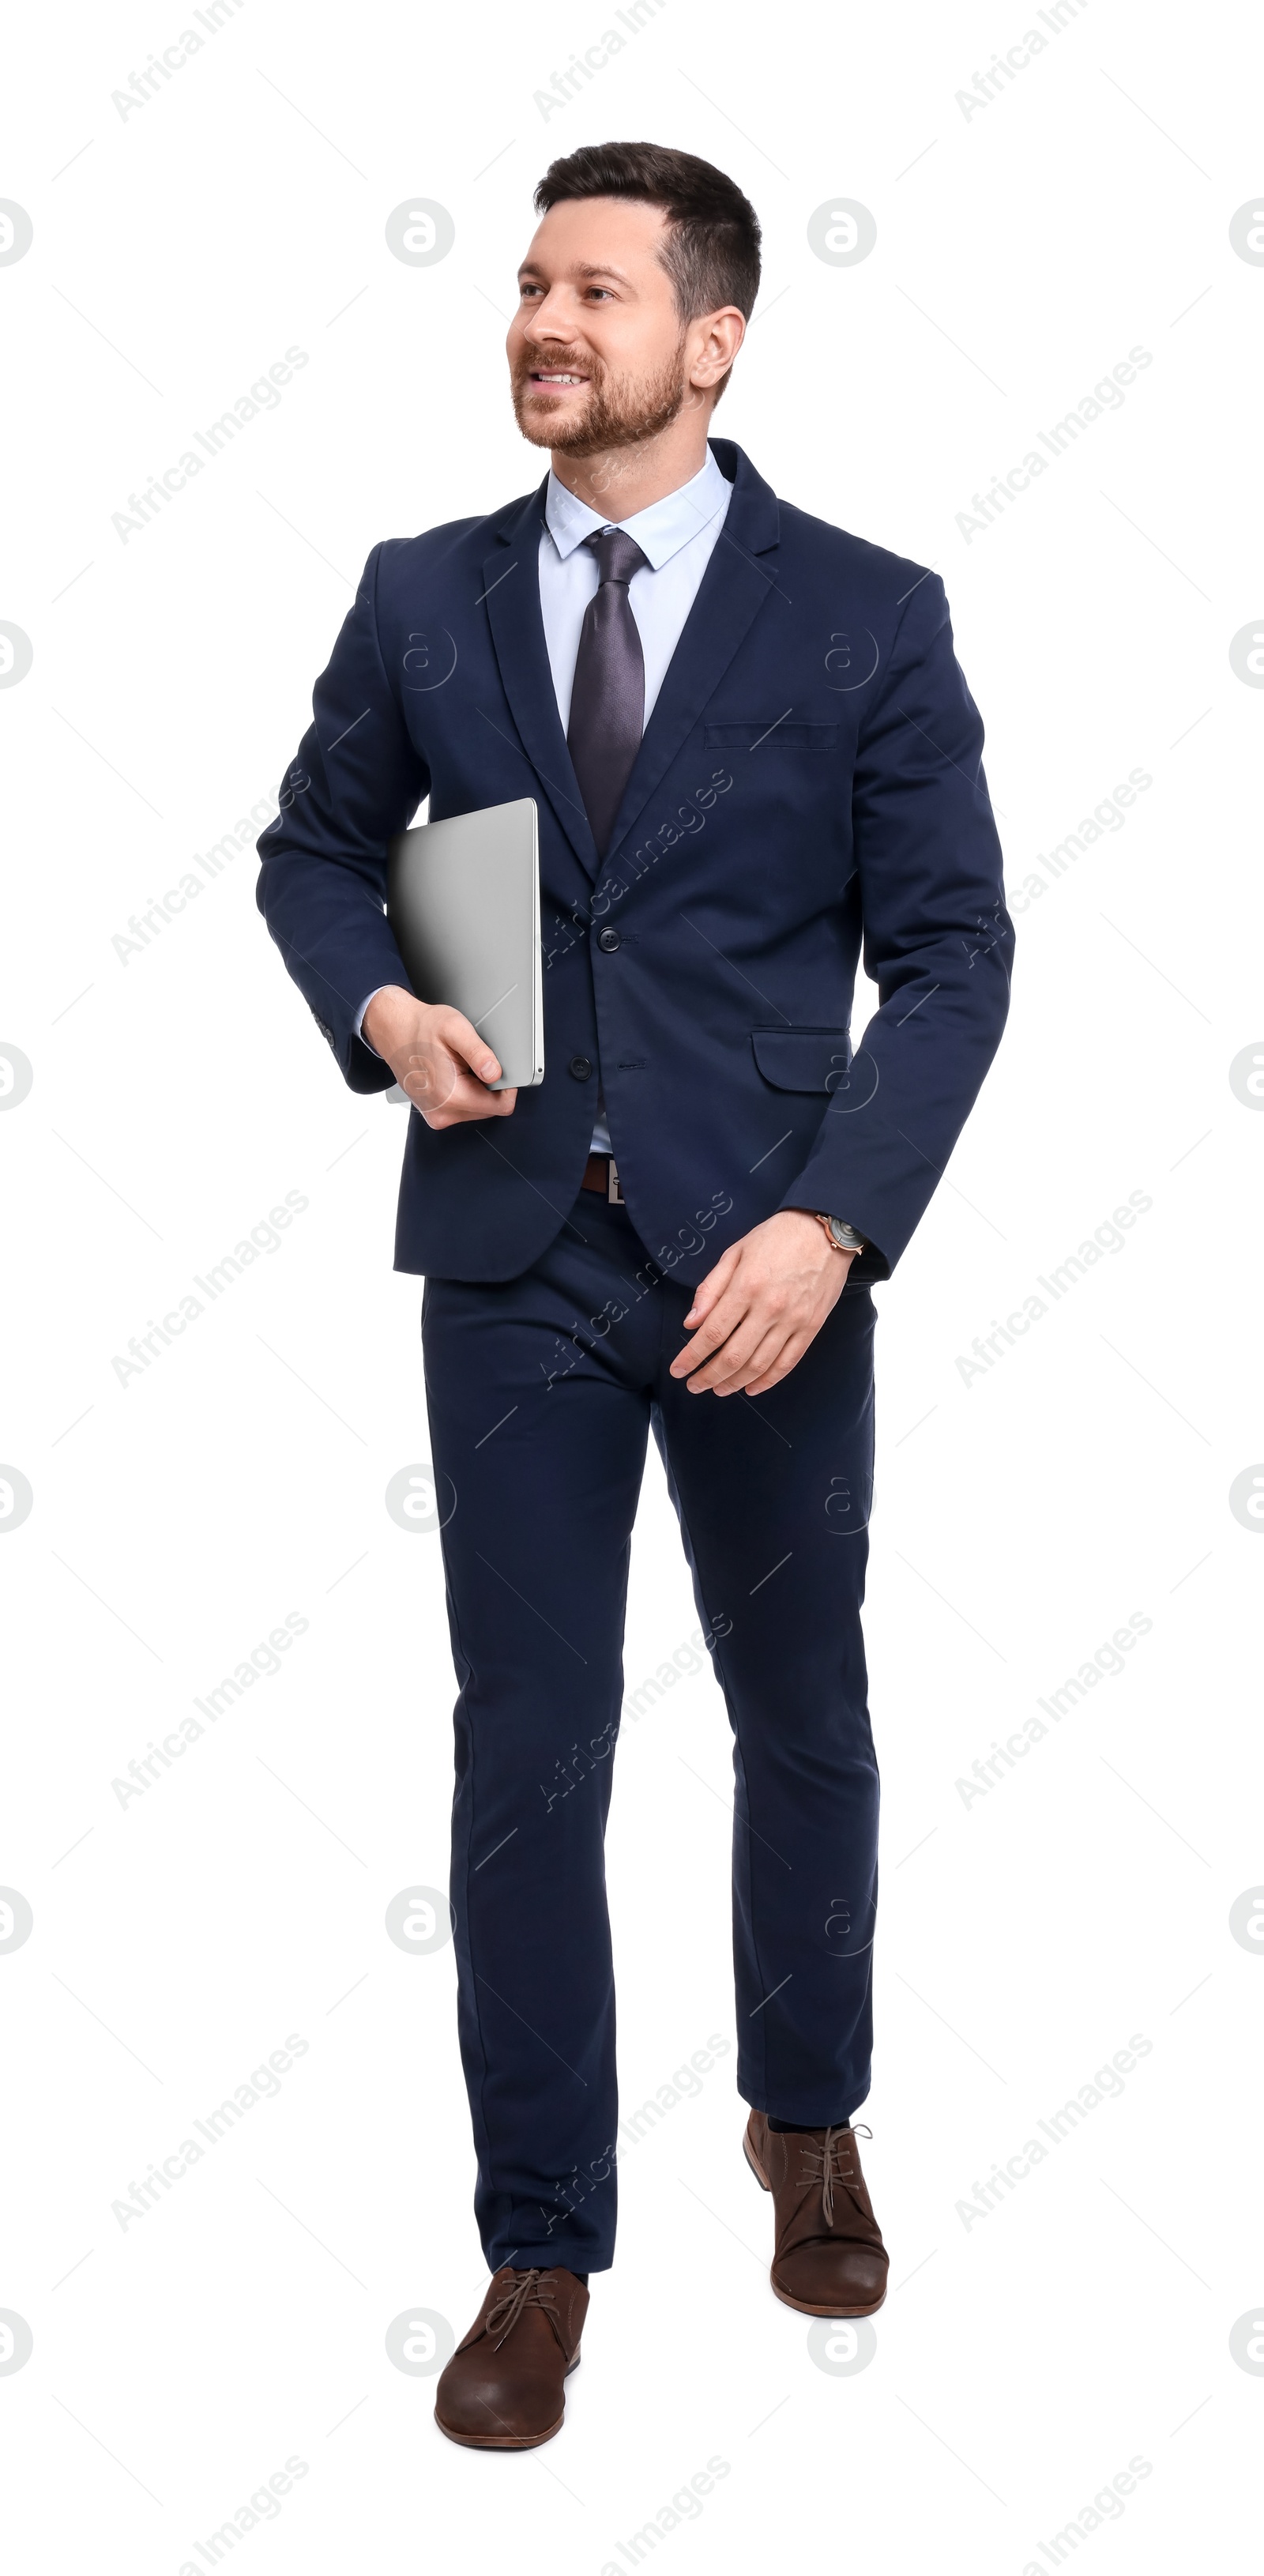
(830, 2260)
(503, 2388)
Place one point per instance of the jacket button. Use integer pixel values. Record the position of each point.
(609, 940)
(581, 1068)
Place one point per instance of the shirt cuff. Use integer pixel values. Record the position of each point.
(359, 1024)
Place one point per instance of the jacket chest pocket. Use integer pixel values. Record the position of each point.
(751, 733)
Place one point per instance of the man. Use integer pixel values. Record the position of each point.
(750, 744)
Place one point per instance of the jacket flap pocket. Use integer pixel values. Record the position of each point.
(802, 1059)
(753, 731)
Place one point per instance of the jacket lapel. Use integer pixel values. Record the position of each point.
(734, 587)
(511, 588)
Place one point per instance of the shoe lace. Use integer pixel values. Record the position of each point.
(828, 2162)
(531, 2289)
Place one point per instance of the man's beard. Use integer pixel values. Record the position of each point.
(620, 411)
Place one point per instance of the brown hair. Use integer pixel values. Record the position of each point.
(711, 248)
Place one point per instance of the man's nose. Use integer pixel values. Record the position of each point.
(550, 321)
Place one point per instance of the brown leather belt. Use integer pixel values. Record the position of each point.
(601, 1172)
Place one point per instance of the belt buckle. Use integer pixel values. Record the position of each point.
(614, 1195)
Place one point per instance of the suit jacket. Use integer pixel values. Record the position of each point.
(810, 776)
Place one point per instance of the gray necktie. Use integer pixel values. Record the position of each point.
(608, 696)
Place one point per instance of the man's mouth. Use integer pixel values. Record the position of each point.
(555, 376)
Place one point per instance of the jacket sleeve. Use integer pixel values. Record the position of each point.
(937, 943)
(356, 782)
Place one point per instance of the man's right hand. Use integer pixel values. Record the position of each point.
(437, 1057)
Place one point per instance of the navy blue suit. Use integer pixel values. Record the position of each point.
(811, 767)
(810, 776)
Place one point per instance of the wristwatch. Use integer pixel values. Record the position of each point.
(843, 1236)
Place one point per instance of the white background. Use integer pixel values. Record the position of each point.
(1021, 2360)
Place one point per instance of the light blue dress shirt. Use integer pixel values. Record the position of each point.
(676, 536)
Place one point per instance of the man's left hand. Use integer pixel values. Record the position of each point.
(765, 1301)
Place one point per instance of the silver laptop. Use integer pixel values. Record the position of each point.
(463, 899)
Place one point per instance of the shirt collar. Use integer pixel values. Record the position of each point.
(660, 531)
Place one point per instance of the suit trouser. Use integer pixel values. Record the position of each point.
(541, 1392)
